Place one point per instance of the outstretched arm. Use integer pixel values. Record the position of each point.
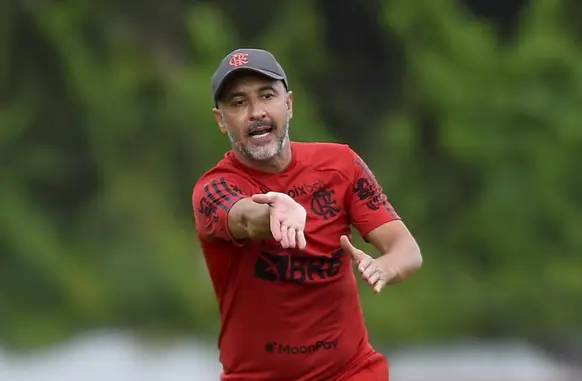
(248, 219)
(269, 215)
(222, 211)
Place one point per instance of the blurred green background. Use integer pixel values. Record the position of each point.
(467, 111)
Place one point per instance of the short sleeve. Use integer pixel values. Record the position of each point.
(369, 207)
(212, 198)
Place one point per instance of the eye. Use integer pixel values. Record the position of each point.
(238, 102)
(268, 96)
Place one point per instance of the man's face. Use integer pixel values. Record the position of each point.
(254, 111)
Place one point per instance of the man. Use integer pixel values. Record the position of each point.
(273, 218)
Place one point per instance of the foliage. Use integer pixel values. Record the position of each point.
(107, 126)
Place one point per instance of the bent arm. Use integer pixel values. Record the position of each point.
(378, 223)
(400, 251)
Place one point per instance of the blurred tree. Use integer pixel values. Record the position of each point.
(503, 13)
(106, 126)
(491, 192)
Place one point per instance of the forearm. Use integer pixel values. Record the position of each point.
(402, 259)
(248, 219)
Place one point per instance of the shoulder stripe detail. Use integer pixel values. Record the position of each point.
(221, 194)
(228, 188)
(213, 199)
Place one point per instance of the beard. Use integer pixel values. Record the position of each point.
(262, 152)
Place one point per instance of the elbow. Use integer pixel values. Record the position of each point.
(417, 254)
(414, 259)
(417, 262)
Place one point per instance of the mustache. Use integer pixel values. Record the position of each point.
(261, 124)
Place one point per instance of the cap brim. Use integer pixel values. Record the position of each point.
(229, 75)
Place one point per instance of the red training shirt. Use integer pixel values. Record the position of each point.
(290, 314)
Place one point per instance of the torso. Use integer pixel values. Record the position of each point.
(287, 314)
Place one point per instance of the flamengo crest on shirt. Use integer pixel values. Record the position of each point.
(369, 190)
(324, 204)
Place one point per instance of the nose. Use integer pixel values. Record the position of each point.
(258, 112)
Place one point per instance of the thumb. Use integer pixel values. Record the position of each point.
(266, 198)
(347, 246)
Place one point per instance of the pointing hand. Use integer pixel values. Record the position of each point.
(287, 219)
(370, 268)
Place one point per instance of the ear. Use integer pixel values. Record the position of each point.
(219, 116)
(289, 103)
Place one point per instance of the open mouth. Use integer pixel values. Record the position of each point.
(260, 131)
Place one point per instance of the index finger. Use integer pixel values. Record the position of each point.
(379, 285)
(262, 198)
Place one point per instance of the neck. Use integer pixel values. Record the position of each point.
(275, 165)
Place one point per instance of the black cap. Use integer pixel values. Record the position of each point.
(255, 60)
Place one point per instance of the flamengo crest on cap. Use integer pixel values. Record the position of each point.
(238, 59)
